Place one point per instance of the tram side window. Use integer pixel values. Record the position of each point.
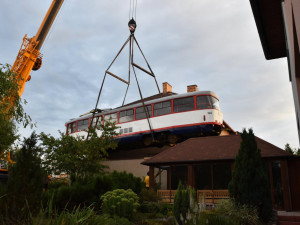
(82, 125)
(207, 102)
(126, 116)
(71, 127)
(140, 112)
(183, 104)
(111, 117)
(162, 108)
(99, 122)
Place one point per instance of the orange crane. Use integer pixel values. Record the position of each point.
(29, 58)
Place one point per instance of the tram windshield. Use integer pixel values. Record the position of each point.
(207, 102)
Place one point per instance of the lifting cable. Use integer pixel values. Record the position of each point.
(131, 40)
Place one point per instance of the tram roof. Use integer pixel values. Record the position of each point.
(149, 100)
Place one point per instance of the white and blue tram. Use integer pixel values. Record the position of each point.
(171, 118)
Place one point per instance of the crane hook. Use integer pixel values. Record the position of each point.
(132, 25)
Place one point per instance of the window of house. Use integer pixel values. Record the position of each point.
(126, 116)
(162, 108)
(183, 104)
(203, 177)
(111, 117)
(179, 173)
(82, 125)
(207, 102)
(222, 175)
(140, 112)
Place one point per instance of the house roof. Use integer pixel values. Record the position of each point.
(269, 22)
(212, 148)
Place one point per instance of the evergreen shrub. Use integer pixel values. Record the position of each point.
(185, 207)
(249, 184)
(120, 202)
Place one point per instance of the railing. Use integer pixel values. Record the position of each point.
(210, 197)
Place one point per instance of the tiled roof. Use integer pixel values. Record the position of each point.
(212, 148)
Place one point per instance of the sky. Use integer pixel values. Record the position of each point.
(211, 43)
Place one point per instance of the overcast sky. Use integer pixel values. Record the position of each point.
(211, 43)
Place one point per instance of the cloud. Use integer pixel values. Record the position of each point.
(213, 44)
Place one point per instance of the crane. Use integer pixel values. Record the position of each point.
(29, 58)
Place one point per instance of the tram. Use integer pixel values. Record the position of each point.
(168, 118)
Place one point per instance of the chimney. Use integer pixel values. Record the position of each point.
(192, 88)
(167, 87)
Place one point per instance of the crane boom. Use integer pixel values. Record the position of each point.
(29, 56)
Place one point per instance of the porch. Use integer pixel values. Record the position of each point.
(209, 197)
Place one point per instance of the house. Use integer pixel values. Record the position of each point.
(206, 163)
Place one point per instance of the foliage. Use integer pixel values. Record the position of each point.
(185, 205)
(290, 150)
(25, 182)
(11, 108)
(8, 133)
(212, 218)
(120, 202)
(77, 216)
(124, 180)
(249, 185)
(148, 195)
(85, 191)
(77, 155)
(11, 104)
(240, 214)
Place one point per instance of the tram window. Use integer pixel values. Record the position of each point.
(162, 108)
(71, 127)
(82, 125)
(111, 117)
(215, 103)
(183, 104)
(207, 102)
(99, 122)
(140, 113)
(126, 116)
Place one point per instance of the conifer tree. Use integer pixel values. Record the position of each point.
(249, 185)
(25, 181)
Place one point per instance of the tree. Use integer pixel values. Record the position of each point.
(11, 108)
(289, 149)
(249, 184)
(77, 155)
(25, 180)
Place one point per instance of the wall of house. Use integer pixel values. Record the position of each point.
(135, 167)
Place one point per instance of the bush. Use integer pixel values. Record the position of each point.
(124, 180)
(148, 196)
(149, 207)
(85, 191)
(185, 205)
(120, 202)
(212, 218)
(240, 214)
